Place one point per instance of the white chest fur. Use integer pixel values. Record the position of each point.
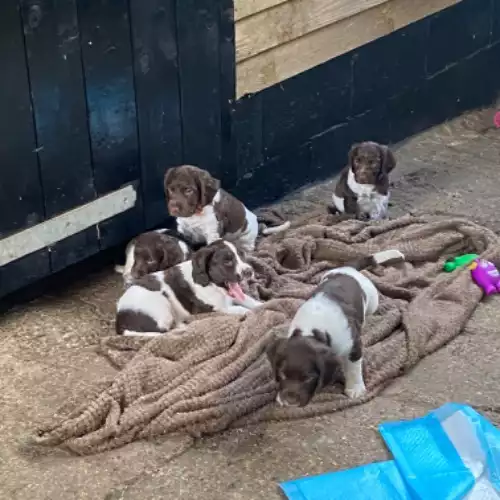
(203, 227)
(369, 200)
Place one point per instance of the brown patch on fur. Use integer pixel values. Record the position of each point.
(185, 295)
(135, 321)
(301, 367)
(230, 213)
(346, 292)
(149, 283)
(154, 252)
(188, 189)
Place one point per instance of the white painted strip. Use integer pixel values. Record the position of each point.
(67, 224)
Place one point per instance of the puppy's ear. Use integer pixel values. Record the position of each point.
(201, 262)
(207, 185)
(326, 366)
(167, 178)
(273, 353)
(388, 160)
(352, 154)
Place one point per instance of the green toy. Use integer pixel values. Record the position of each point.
(460, 261)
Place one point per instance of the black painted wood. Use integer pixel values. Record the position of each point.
(457, 32)
(57, 86)
(199, 48)
(388, 66)
(227, 70)
(156, 66)
(299, 108)
(107, 61)
(110, 94)
(21, 197)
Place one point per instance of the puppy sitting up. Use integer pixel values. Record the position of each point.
(205, 212)
(153, 251)
(327, 329)
(161, 301)
(363, 187)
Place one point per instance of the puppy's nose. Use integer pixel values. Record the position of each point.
(173, 208)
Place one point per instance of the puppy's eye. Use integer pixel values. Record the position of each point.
(188, 191)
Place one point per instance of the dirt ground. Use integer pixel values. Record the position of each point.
(48, 353)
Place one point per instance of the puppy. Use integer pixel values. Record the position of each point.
(153, 251)
(210, 281)
(327, 330)
(363, 187)
(205, 212)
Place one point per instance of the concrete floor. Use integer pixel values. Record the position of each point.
(47, 354)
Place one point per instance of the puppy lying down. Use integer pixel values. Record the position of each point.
(326, 330)
(205, 212)
(153, 251)
(161, 301)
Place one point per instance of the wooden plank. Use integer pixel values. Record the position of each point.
(109, 79)
(157, 95)
(227, 69)
(292, 20)
(55, 69)
(245, 8)
(21, 197)
(198, 43)
(301, 54)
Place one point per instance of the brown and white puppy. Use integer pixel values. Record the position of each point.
(327, 328)
(153, 251)
(205, 212)
(363, 187)
(161, 301)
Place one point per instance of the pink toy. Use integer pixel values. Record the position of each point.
(485, 275)
(496, 119)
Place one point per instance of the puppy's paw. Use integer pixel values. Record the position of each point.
(355, 391)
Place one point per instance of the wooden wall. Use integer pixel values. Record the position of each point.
(277, 39)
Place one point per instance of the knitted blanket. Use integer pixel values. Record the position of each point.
(215, 375)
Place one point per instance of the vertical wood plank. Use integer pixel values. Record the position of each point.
(227, 68)
(21, 197)
(55, 68)
(107, 63)
(156, 71)
(198, 42)
(109, 80)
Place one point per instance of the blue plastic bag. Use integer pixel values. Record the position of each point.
(452, 453)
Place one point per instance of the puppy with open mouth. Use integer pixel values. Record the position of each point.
(205, 212)
(363, 187)
(326, 332)
(210, 281)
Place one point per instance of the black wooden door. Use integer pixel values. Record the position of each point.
(97, 98)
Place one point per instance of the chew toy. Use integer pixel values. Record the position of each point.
(460, 261)
(486, 276)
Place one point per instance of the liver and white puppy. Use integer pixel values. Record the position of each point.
(161, 301)
(205, 212)
(153, 251)
(327, 330)
(363, 187)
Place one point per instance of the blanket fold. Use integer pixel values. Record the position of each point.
(214, 375)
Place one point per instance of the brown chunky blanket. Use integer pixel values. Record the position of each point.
(214, 375)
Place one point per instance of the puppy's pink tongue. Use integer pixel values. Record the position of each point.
(235, 291)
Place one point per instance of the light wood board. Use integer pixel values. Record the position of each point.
(290, 20)
(245, 8)
(301, 54)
